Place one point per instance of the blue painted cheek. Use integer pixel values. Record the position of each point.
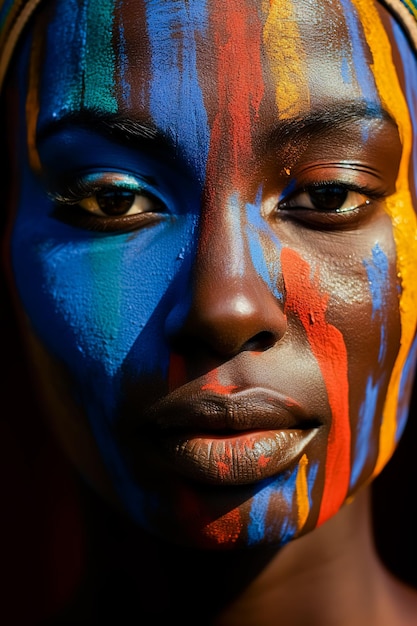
(95, 302)
(90, 297)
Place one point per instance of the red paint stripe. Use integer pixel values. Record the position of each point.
(237, 39)
(328, 346)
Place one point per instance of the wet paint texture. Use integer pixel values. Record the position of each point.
(284, 528)
(327, 344)
(86, 70)
(239, 91)
(286, 57)
(176, 100)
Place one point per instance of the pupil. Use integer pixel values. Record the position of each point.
(115, 202)
(328, 199)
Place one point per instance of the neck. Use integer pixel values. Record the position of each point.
(330, 576)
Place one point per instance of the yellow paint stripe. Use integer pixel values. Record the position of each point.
(302, 492)
(286, 57)
(400, 208)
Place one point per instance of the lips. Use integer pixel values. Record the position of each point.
(234, 439)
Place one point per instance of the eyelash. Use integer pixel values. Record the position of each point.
(89, 189)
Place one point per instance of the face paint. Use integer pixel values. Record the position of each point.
(401, 210)
(173, 36)
(327, 344)
(286, 57)
(206, 338)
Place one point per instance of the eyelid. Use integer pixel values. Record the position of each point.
(71, 190)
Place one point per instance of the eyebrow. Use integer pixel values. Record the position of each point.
(125, 129)
(114, 125)
(333, 117)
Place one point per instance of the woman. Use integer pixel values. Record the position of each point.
(211, 252)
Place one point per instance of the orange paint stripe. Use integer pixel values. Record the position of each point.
(327, 344)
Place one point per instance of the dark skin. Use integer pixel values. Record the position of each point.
(326, 575)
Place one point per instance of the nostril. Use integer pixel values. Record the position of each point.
(260, 342)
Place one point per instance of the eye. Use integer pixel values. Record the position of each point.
(328, 198)
(108, 202)
(329, 205)
(113, 202)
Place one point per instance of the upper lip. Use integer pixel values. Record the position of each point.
(254, 408)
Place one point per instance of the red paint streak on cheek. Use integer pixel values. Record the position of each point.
(214, 385)
(240, 88)
(328, 346)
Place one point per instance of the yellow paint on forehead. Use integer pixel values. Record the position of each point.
(400, 208)
(286, 57)
(302, 492)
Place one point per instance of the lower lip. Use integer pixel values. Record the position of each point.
(240, 459)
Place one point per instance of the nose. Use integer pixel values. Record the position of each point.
(229, 307)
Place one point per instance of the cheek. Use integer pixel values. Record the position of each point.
(348, 307)
(365, 307)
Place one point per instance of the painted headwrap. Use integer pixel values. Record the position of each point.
(15, 14)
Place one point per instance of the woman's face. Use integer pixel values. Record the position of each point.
(213, 242)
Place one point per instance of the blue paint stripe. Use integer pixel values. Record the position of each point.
(364, 430)
(285, 486)
(176, 100)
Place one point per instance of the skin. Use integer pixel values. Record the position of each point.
(228, 280)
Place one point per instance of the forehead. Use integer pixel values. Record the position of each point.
(157, 56)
